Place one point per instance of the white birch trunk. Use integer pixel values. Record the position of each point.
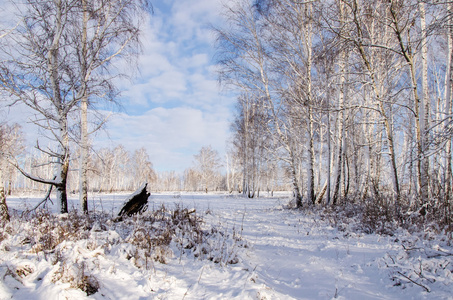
(424, 107)
(53, 65)
(448, 112)
(329, 157)
(311, 150)
(340, 122)
(83, 189)
(4, 214)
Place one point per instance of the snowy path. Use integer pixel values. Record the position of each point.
(293, 257)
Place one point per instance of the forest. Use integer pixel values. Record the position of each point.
(353, 97)
(336, 180)
(338, 101)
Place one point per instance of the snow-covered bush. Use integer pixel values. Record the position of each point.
(75, 275)
(160, 233)
(382, 217)
(74, 247)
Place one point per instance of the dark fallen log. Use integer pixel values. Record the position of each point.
(136, 203)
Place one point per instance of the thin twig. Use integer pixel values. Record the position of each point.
(413, 281)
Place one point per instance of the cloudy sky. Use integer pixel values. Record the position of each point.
(174, 105)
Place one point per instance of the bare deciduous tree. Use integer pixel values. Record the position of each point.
(55, 62)
(207, 162)
(11, 145)
(102, 33)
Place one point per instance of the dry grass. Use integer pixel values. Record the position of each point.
(152, 237)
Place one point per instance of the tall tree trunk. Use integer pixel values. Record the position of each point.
(329, 157)
(53, 67)
(311, 160)
(83, 190)
(4, 214)
(296, 192)
(369, 155)
(63, 167)
(321, 189)
(448, 112)
(337, 176)
(311, 152)
(340, 122)
(424, 106)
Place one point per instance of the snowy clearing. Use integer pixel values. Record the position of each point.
(256, 249)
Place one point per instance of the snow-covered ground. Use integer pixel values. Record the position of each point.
(274, 253)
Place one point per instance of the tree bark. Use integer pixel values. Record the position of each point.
(308, 49)
(424, 106)
(340, 121)
(83, 190)
(296, 192)
(62, 176)
(4, 214)
(329, 158)
(448, 112)
(53, 69)
(427, 103)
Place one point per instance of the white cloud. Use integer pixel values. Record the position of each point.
(192, 18)
(196, 61)
(171, 136)
(170, 84)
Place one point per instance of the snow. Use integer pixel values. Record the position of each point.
(257, 249)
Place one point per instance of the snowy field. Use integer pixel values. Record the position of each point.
(280, 254)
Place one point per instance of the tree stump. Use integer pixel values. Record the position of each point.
(135, 203)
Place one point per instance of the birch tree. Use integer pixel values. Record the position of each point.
(207, 162)
(11, 145)
(56, 60)
(399, 18)
(359, 30)
(35, 72)
(250, 142)
(245, 65)
(103, 33)
(424, 104)
(142, 168)
(448, 112)
(292, 37)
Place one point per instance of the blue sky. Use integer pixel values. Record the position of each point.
(174, 105)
